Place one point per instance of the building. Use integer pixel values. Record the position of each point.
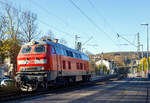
(6, 68)
(109, 65)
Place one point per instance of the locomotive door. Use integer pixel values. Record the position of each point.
(58, 60)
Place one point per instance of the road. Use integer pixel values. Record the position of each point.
(130, 90)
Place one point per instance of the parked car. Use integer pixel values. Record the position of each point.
(6, 82)
(3, 78)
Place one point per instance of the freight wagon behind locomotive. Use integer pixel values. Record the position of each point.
(46, 63)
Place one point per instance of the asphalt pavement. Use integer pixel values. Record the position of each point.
(129, 90)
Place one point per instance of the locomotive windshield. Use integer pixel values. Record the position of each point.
(39, 49)
(26, 49)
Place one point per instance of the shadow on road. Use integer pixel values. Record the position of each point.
(128, 90)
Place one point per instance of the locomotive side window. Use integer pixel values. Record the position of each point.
(84, 66)
(81, 66)
(39, 49)
(64, 52)
(69, 65)
(26, 49)
(64, 64)
(78, 67)
(76, 55)
(69, 53)
(79, 56)
(53, 50)
(58, 51)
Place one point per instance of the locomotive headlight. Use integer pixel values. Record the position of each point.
(42, 68)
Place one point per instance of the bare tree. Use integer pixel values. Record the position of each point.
(29, 27)
(2, 27)
(12, 24)
(49, 35)
(13, 21)
(15, 27)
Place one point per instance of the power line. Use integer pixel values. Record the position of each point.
(100, 15)
(126, 40)
(48, 12)
(59, 30)
(53, 14)
(89, 19)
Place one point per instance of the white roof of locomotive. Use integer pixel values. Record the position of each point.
(54, 44)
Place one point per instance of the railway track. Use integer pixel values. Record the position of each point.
(19, 95)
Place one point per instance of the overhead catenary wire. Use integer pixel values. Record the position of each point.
(59, 30)
(104, 18)
(51, 26)
(126, 40)
(100, 15)
(49, 12)
(89, 19)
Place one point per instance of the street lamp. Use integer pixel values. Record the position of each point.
(146, 24)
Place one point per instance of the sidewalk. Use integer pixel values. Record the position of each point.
(103, 77)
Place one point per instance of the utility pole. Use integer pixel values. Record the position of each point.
(138, 50)
(76, 40)
(138, 42)
(137, 46)
(102, 57)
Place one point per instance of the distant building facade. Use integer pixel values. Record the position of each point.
(6, 67)
(108, 63)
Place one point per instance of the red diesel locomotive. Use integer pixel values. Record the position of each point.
(47, 63)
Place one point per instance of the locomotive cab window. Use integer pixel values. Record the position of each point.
(40, 49)
(26, 49)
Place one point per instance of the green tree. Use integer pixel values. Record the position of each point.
(144, 64)
(102, 68)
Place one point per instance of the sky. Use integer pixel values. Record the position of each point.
(98, 21)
